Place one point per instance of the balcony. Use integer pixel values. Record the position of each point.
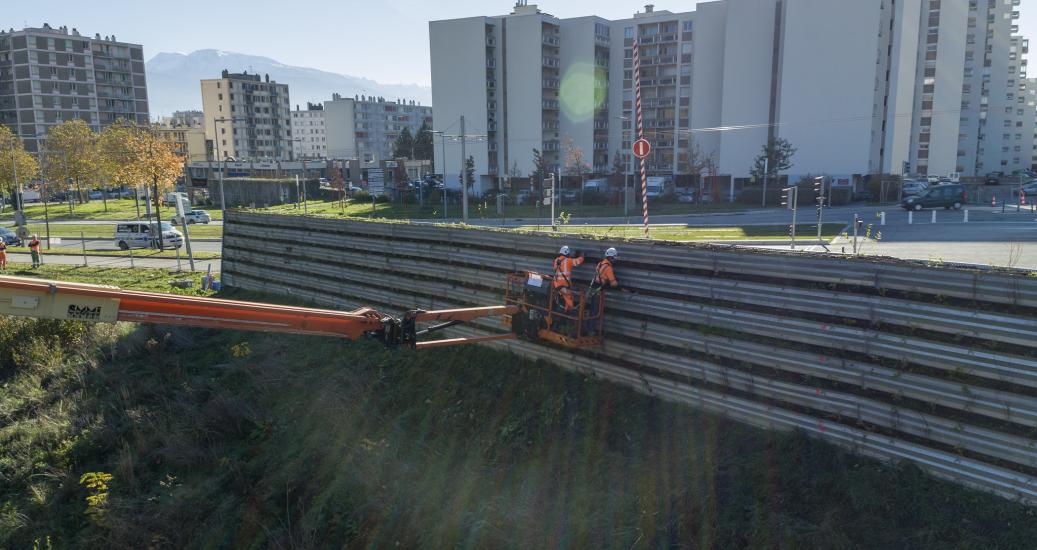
(601, 62)
(667, 81)
(602, 40)
(550, 104)
(551, 83)
(601, 125)
(491, 64)
(668, 60)
(550, 40)
(550, 125)
(646, 40)
(491, 84)
(669, 37)
(550, 61)
(551, 145)
(601, 146)
(491, 41)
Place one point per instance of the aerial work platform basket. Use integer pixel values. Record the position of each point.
(541, 314)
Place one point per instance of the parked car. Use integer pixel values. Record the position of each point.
(914, 188)
(96, 195)
(194, 216)
(1030, 188)
(9, 237)
(948, 196)
(568, 195)
(863, 195)
(523, 197)
(686, 196)
(145, 235)
(993, 178)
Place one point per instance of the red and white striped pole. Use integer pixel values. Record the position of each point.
(640, 132)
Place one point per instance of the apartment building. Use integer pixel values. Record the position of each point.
(248, 116)
(857, 86)
(52, 74)
(367, 127)
(184, 118)
(309, 139)
(188, 141)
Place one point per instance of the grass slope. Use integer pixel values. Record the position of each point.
(217, 439)
(119, 209)
(684, 233)
(480, 210)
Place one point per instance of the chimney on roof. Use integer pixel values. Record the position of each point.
(649, 8)
(267, 77)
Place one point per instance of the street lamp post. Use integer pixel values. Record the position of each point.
(442, 169)
(219, 158)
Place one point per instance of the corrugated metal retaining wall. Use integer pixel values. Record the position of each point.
(895, 360)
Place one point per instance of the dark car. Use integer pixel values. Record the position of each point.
(946, 196)
(9, 237)
(994, 178)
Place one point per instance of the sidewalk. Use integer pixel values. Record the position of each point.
(110, 261)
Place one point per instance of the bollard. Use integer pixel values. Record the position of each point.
(934, 217)
(882, 218)
(966, 217)
(82, 240)
(910, 217)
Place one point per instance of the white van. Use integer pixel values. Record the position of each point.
(144, 235)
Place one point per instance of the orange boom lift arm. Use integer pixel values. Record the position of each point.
(83, 302)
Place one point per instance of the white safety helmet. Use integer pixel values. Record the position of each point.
(564, 251)
(611, 253)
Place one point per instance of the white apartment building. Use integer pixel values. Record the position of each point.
(309, 139)
(857, 86)
(367, 127)
(247, 116)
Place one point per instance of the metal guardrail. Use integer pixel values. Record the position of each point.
(891, 274)
(346, 263)
(947, 432)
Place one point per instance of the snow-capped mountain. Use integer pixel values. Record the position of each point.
(173, 80)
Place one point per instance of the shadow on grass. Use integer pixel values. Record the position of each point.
(225, 438)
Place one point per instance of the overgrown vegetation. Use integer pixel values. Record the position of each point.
(231, 439)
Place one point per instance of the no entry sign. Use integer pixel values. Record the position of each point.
(641, 148)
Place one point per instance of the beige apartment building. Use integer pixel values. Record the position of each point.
(247, 116)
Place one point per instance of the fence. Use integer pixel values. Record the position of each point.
(892, 359)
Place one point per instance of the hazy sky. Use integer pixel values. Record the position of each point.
(386, 40)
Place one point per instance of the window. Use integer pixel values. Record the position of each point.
(628, 32)
(686, 26)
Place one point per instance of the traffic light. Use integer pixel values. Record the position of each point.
(791, 233)
(785, 198)
(788, 197)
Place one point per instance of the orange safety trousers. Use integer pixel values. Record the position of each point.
(564, 266)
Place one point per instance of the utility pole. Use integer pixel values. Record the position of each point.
(766, 172)
(464, 177)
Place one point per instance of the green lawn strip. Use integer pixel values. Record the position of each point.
(136, 279)
(483, 210)
(107, 231)
(684, 233)
(121, 209)
(136, 253)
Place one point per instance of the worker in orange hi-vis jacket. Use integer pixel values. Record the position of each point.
(564, 265)
(34, 251)
(604, 277)
(3, 255)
